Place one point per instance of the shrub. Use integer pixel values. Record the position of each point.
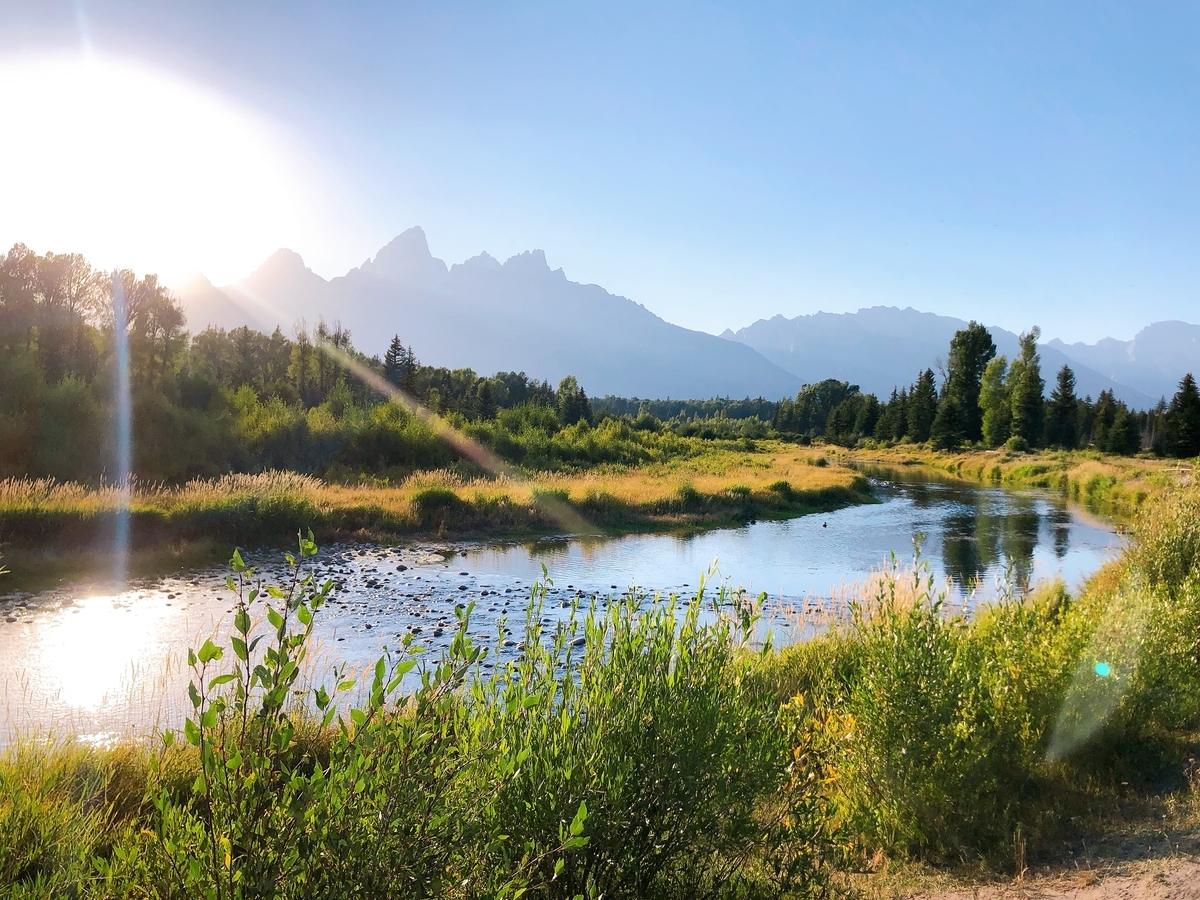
(1016, 444)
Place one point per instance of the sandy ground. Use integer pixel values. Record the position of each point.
(1164, 879)
(1140, 865)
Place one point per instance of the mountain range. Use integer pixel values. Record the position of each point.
(521, 315)
(515, 316)
(881, 347)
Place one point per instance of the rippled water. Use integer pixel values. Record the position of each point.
(97, 663)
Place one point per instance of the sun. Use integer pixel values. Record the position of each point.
(136, 168)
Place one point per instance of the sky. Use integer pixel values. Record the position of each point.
(1018, 163)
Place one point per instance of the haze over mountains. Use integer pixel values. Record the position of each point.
(881, 347)
(517, 316)
(523, 316)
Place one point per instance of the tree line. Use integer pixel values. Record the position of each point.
(987, 401)
(243, 400)
(237, 400)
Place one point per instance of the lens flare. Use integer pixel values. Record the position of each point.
(124, 436)
(1104, 672)
(558, 510)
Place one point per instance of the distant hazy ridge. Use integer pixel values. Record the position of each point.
(521, 315)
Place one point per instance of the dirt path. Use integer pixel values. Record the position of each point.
(1160, 879)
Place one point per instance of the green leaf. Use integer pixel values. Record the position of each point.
(192, 732)
(304, 614)
(236, 562)
(580, 818)
(194, 694)
(209, 652)
(241, 621)
(222, 679)
(239, 648)
(274, 617)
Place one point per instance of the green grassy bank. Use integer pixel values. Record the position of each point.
(1116, 486)
(641, 753)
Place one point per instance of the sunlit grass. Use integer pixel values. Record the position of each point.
(716, 487)
(1118, 486)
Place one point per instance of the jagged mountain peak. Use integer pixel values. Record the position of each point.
(519, 315)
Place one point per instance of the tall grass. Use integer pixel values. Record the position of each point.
(632, 752)
(719, 487)
(999, 734)
(645, 750)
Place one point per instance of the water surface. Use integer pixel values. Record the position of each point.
(97, 661)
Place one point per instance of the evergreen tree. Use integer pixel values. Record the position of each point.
(408, 374)
(1026, 387)
(949, 425)
(971, 349)
(485, 401)
(995, 402)
(393, 362)
(868, 416)
(892, 421)
(1125, 435)
(1062, 413)
(922, 407)
(1183, 420)
(1102, 419)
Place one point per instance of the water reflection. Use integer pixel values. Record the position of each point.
(92, 665)
(989, 533)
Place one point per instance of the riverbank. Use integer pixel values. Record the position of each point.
(52, 529)
(1115, 486)
(636, 752)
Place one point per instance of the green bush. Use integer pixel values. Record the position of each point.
(632, 753)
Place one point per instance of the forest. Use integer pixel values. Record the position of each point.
(244, 401)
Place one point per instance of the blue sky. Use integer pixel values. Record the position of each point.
(1018, 163)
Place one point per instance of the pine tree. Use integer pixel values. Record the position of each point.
(484, 400)
(393, 362)
(890, 424)
(1102, 419)
(1125, 436)
(408, 373)
(922, 407)
(1062, 412)
(1183, 420)
(1026, 390)
(949, 425)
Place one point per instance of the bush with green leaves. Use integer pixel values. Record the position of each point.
(631, 753)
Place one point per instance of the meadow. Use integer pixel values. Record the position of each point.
(47, 524)
(649, 750)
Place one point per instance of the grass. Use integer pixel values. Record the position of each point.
(1117, 486)
(39, 519)
(639, 752)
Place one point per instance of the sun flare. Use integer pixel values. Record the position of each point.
(134, 167)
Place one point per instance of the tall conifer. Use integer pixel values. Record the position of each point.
(1027, 387)
(1062, 412)
(922, 407)
(1183, 420)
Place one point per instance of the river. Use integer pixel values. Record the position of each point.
(99, 662)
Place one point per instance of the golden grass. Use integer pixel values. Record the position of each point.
(720, 486)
